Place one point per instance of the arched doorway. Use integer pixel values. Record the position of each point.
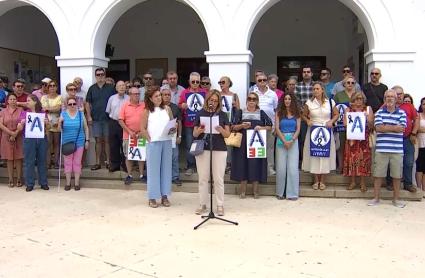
(29, 45)
(328, 33)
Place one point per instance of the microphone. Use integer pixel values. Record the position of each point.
(210, 106)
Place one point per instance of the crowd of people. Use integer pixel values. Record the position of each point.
(117, 113)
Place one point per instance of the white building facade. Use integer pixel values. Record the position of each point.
(235, 36)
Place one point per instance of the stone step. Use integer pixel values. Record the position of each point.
(336, 185)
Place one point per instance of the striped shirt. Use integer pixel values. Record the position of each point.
(390, 142)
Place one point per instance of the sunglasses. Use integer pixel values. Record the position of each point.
(19, 86)
(221, 82)
(374, 73)
(261, 80)
(137, 86)
(52, 86)
(252, 99)
(72, 104)
(147, 78)
(44, 84)
(350, 82)
(346, 71)
(71, 89)
(205, 83)
(100, 74)
(195, 82)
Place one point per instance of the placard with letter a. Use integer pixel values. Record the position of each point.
(256, 143)
(136, 149)
(34, 125)
(356, 125)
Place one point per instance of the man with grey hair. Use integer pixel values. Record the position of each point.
(175, 89)
(390, 123)
(272, 82)
(191, 102)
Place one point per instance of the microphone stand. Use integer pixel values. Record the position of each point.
(211, 214)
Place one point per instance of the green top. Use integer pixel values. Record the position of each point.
(342, 97)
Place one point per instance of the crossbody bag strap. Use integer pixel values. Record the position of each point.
(79, 127)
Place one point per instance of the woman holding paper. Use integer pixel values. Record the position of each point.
(11, 143)
(155, 119)
(288, 121)
(319, 111)
(74, 128)
(253, 170)
(35, 149)
(219, 130)
(357, 154)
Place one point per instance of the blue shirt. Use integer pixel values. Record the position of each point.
(390, 142)
(288, 125)
(2, 96)
(70, 128)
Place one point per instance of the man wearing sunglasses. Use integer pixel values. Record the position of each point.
(21, 96)
(96, 101)
(325, 78)
(44, 89)
(148, 82)
(268, 103)
(375, 90)
(339, 86)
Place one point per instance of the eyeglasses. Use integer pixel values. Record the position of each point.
(71, 89)
(19, 86)
(350, 82)
(221, 82)
(205, 83)
(346, 71)
(195, 82)
(374, 73)
(72, 104)
(251, 98)
(261, 80)
(147, 78)
(51, 86)
(100, 74)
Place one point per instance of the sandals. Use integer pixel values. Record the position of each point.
(165, 202)
(95, 167)
(152, 203)
(322, 186)
(201, 210)
(11, 184)
(351, 186)
(77, 187)
(18, 183)
(363, 187)
(315, 185)
(220, 211)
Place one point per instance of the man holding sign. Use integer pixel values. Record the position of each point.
(130, 120)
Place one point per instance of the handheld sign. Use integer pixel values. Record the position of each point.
(356, 126)
(320, 141)
(256, 143)
(227, 105)
(34, 125)
(195, 102)
(339, 125)
(136, 149)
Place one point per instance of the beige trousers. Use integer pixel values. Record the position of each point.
(218, 168)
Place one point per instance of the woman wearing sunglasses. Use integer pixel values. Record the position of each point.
(73, 126)
(253, 170)
(52, 104)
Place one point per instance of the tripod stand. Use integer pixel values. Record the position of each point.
(211, 214)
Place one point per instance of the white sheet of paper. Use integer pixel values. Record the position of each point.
(173, 141)
(206, 122)
(170, 125)
(34, 125)
(356, 128)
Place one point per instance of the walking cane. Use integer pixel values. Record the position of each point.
(60, 163)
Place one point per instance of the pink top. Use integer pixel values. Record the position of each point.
(279, 93)
(131, 115)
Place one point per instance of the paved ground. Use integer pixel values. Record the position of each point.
(113, 233)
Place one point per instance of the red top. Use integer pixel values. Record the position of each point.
(411, 114)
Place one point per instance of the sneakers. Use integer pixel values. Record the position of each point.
(220, 210)
(189, 172)
(398, 204)
(128, 180)
(201, 210)
(373, 202)
(272, 172)
(44, 187)
(411, 189)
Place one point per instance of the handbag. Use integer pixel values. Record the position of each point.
(70, 147)
(197, 147)
(372, 139)
(234, 140)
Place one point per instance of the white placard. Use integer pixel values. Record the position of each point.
(34, 125)
(170, 129)
(256, 143)
(205, 121)
(356, 125)
(136, 149)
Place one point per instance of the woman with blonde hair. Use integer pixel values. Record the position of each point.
(319, 111)
(212, 107)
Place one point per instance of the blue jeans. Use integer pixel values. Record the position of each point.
(287, 174)
(175, 167)
(159, 163)
(188, 138)
(408, 160)
(35, 149)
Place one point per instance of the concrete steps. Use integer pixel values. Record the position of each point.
(336, 185)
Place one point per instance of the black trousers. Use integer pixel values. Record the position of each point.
(115, 145)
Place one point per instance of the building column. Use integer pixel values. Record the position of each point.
(235, 65)
(84, 68)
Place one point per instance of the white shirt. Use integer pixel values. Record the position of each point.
(267, 102)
